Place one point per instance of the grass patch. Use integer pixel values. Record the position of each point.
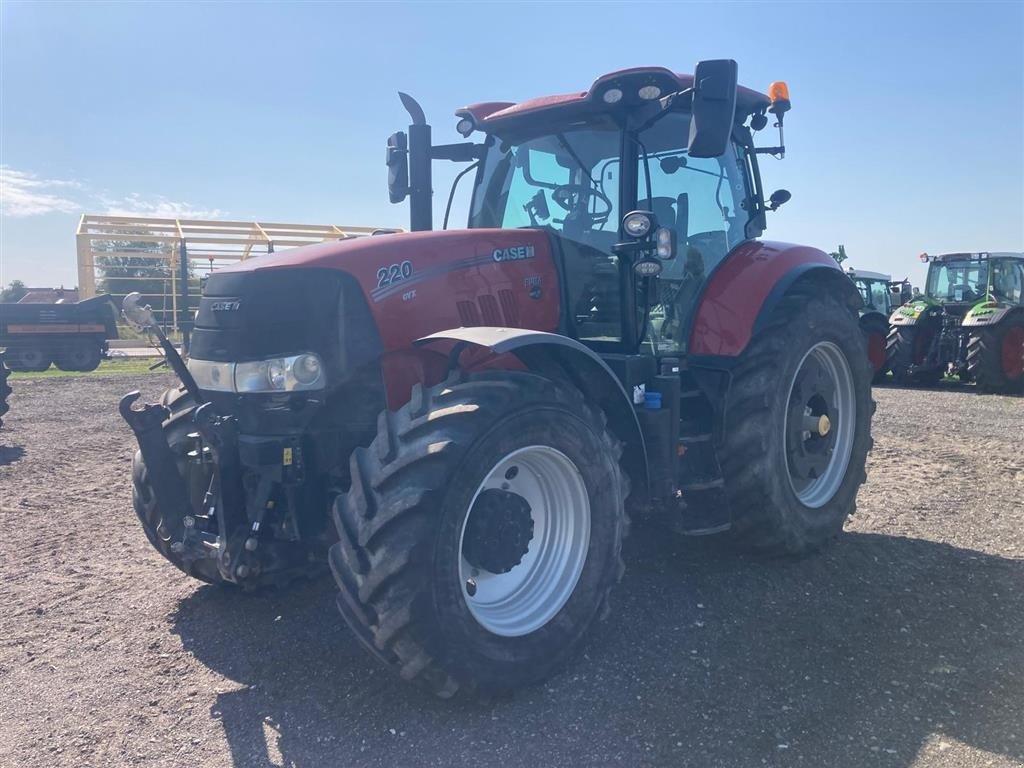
(130, 366)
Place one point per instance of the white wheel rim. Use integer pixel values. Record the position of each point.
(529, 595)
(841, 410)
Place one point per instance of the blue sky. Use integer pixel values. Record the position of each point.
(907, 129)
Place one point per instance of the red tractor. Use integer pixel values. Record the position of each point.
(458, 421)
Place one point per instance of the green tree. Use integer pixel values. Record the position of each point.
(126, 265)
(13, 292)
(840, 255)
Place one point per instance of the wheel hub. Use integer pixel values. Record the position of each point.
(498, 532)
(819, 424)
(524, 541)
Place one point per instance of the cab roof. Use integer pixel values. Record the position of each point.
(494, 115)
(865, 274)
(978, 255)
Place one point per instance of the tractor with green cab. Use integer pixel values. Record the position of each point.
(969, 323)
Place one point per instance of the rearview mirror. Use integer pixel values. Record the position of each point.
(714, 107)
(779, 198)
(398, 167)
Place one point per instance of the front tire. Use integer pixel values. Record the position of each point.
(482, 532)
(906, 348)
(995, 356)
(797, 427)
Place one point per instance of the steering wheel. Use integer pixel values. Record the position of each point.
(570, 197)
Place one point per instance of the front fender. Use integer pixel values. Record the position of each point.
(557, 355)
(988, 313)
(912, 313)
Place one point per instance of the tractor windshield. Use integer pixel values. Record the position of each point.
(958, 281)
(875, 294)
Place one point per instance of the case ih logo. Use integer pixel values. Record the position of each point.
(225, 306)
(515, 253)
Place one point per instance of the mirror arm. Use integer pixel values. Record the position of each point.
(457, 153)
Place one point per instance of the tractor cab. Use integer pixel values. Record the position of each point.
(643, 183)
(961, 280)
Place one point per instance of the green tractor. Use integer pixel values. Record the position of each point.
(969, 322)
(880, 294)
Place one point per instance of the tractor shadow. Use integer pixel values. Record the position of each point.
(860, 654)
(10, 454)
(944, 386)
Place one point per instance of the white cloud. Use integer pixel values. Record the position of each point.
(157, 206)
(25, 194)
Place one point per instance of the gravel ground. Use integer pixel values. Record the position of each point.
(901, 645)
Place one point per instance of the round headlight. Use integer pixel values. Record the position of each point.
(637, 224)
(276, 374)
(306, 369)
(649, 92)
(612, 96)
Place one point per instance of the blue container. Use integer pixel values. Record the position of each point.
(652, 401)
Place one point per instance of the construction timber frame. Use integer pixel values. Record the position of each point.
(167, 259)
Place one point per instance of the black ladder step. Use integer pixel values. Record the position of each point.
(703, 485)
(691, 439)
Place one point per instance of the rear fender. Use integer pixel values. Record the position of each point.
(558, 357)
(746, 286)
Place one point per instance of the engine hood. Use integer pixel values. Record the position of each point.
(418, 283)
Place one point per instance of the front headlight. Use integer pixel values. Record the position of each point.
(278, 374)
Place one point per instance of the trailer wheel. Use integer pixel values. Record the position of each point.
(995, 356)
(907, 347)
(482, 532)
(80, 357)
(797, 427)
(28, 359)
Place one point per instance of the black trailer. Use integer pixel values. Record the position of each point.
(74, 336)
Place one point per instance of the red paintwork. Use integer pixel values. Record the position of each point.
(491, 114)
(428, 301)
(724, 321)
(1013, 353)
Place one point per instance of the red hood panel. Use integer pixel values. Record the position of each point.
(418, 283)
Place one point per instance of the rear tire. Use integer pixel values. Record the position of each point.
(791, 491)
(905, 348)
(995, 356)
(404, 532)
(876, 330)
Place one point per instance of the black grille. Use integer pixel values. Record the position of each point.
(253, 315)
